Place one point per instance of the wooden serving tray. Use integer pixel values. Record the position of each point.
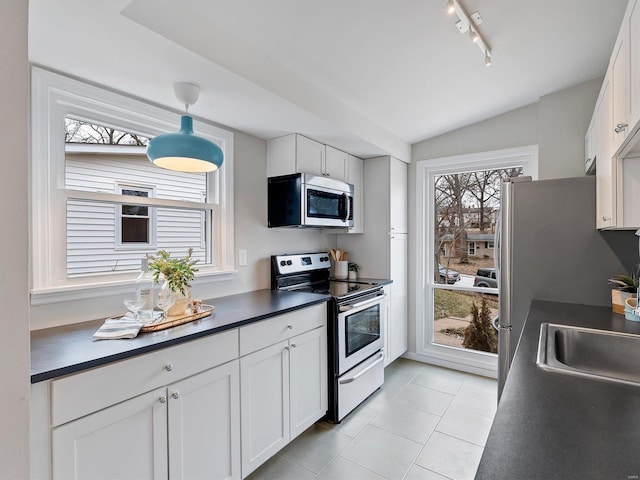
(175, 320)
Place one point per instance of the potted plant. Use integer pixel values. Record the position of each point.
(626, 287)
(353, 270)
(178, 273)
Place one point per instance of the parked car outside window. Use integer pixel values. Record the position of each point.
(486, 277)
(451, 275)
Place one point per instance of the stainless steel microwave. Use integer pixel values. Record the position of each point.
(304, 200)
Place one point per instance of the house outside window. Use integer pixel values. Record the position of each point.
(97, 198)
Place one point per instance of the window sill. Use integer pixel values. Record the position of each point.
(69, 293)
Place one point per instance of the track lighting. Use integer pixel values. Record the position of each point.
(451, 8)
(469, 24)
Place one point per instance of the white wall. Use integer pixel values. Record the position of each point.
(14, 321)
(557, 123)
(251, 234)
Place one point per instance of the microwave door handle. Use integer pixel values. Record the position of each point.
(345, 199)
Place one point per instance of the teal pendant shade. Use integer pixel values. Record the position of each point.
(183, 151)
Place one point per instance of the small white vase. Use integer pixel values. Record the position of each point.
(182, 302)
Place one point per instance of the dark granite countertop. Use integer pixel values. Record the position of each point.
(551, 425)
(68, 349)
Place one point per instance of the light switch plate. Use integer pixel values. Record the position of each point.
(242, 258)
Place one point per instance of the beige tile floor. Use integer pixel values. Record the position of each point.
(425, 423)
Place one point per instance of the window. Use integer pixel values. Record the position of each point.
(96, 197)
(471, 248)
(135, 221)
(488, 244)
(458, 203)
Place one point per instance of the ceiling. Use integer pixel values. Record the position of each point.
(369, 76)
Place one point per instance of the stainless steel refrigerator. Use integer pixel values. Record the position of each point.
(549, 249)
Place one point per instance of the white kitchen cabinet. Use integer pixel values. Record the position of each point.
(171, 413)
(398, 308)
(335, 163)
(264, 404)
(397, 192)
(190, 429)
(590, 145)
(385, 315)
(204, 425)
(633, 26)
(296, 153)
(619, 71)
(605, 171)
(355, 176)
(127, 440)
(283, 388)
(308, 379)
(381, 251)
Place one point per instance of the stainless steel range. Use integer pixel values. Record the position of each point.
(355, 326)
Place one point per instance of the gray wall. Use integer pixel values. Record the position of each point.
(557, 123)
(14, 241)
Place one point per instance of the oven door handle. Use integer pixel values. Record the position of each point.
(372, 301)
(342, 381)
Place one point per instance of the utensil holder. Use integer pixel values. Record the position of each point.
(340, 270)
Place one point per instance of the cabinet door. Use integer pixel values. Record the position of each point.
(398, 311)
(397, 196)
(386, 313)
(308, 370)
(355, 170)
(605, 206)
(264, 404)
(204, 425)
(620, 90)
(335, 163)
(634, 62)
(125, 441)
(309, 156)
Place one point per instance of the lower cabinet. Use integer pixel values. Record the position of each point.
(214, 408)
(128, 440)
(187, 430)
(284, 391)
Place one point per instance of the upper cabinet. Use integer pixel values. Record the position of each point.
(355, 176)
(614, 132)
(296, 153)
(397, 196)
(619, 72)
(633, 28)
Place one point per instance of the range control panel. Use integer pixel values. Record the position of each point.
(301, 262)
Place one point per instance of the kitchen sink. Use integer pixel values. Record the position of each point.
(590, 353)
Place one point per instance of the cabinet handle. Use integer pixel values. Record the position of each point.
(605, 219)
(293, 345)
(620, 127)
(176, 395)
(168, 367)
(162, 399)
(290, 327)
(286, 348)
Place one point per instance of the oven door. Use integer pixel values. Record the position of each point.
(359, 330)
(327, 207)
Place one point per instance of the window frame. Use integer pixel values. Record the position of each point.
(128, 246)
(54, 97)
(426, 170)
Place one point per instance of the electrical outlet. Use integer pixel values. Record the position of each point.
(242, 258)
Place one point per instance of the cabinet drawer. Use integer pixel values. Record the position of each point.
(79, 394)
(273, 330)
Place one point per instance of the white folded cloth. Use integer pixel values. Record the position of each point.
(122, 327)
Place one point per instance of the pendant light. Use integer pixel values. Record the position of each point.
(183, 151)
